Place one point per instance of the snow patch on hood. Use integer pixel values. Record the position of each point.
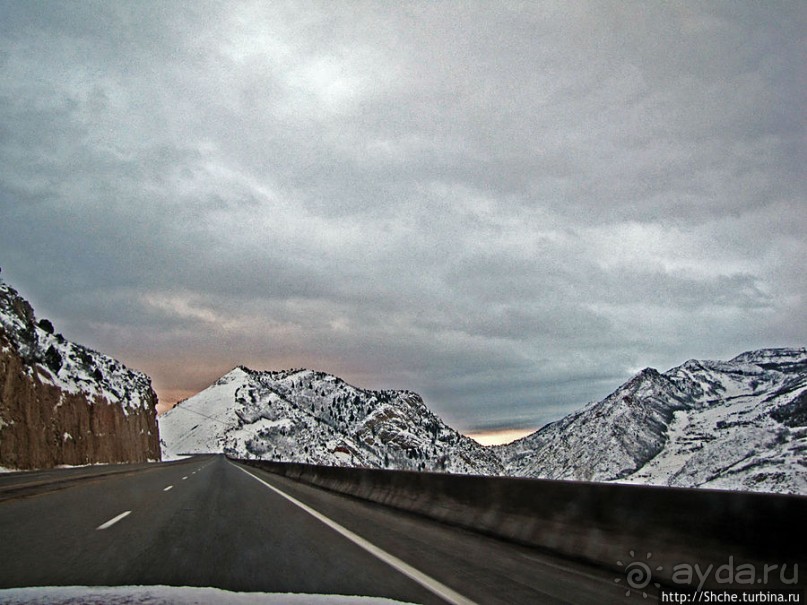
(171, 595)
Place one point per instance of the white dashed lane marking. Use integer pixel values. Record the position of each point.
(124, 514)
(113, 520)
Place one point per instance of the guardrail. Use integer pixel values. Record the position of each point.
(670, 531)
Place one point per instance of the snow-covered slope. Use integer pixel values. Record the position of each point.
(63, 403)
(71, 367)
(740, 424)
(307, 416)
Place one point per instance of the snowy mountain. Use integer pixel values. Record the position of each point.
(313, 417)
(62, 403)
(739, 424)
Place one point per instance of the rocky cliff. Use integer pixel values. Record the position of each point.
(62, 403)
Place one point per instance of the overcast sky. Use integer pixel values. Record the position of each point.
(506, 207)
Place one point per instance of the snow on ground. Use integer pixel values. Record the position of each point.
(661, 468)
(169, 456)
(170, 595)
(204, 427)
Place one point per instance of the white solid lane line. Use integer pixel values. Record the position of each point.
(167, 488)
(114, 520)
(429, 583)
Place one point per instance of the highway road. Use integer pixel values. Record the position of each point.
(207, 521)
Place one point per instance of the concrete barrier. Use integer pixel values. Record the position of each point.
(610, 525)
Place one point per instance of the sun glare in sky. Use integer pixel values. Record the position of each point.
(499, 437)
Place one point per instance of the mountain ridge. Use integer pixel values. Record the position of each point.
(737, 424)
(309, 416)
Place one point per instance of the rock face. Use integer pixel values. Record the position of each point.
(61, 403)
(314, 417)
(738, 424)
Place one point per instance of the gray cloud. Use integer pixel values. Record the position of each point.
(508, 209)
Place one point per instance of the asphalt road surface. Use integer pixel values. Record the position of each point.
(206, 521)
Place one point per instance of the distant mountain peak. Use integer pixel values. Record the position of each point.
(765, 356)
(738, 424)
(311, 416)
(646, 378)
